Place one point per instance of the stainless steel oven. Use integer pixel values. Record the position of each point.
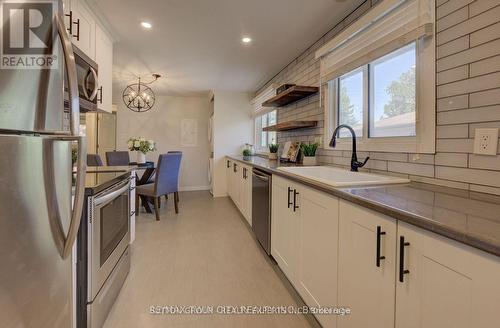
(109, 232)
(105, 253)
(87, 75)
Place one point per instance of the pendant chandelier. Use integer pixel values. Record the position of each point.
(139, 97)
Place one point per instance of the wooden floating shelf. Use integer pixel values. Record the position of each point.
(292, 125)
(291, 95)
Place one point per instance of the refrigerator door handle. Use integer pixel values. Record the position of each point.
(69, 60)
(76, 214)
(64, 241)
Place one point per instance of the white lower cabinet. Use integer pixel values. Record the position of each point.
(389, 273)
(304, 242)
(239, 187)
(366, 284)
(423, 281)
(448, 284)
(284, 224)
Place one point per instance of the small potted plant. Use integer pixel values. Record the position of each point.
(142, 147)
(247, 153)
(309, 153)
(273, 151)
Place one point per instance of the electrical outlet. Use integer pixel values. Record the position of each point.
(486, 142)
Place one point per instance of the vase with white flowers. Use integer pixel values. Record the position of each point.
(142, 147)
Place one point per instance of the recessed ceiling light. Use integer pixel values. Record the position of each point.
(246, 40)
(146, 25)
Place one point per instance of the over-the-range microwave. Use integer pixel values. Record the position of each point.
(87, 75)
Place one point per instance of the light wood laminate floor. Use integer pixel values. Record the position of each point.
(205, 255)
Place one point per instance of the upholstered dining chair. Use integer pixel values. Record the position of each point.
(94, 160)
(166, 182)
(117, 158)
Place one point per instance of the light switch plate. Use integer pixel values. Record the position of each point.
(486, 142)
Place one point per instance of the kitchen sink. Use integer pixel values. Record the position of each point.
(338, 177)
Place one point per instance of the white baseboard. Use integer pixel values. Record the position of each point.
(194, 188)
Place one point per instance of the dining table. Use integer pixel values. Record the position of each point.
(148, 169)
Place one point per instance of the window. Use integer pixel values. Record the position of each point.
(350, 102)
(381, 73)
(390, 99)
(264, 138)
(392, 94)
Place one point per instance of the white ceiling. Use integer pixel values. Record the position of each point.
(196, 44)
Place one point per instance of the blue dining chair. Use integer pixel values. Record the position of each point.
(117, 158)
(166, 182)
(94, 160)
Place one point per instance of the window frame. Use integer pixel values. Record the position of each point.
(425, 115)
(258, 133)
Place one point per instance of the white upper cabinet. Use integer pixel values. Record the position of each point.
(442, 283)
(82, 27)
(367, 265)
(104, 59)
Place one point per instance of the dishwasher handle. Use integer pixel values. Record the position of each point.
(260, 176)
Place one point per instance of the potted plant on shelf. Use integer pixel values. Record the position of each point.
(142, 147)
(273, 151)
(309, 153)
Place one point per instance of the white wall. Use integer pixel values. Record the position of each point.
(233, 127)
(162, 124)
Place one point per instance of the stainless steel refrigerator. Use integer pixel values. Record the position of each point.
(38, 219)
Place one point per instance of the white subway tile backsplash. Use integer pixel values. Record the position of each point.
(485, 66)
(454, 145)
(453, 47)
(452, 131)
(450, 6)
(439, 182)
(479, 83)
(411, 168)
(394, 157)
(473, 127)
(486, 34)
(473, 24)
(451, 159)
(484, 162)
(473, 115)
(468, 56)
(480, 6)
(421, 158)
(481, 177)
(452, 75)
(452, 19)
(485, 189)
(485, 98)
(451, 103)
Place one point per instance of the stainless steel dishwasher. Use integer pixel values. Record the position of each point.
(261, 208)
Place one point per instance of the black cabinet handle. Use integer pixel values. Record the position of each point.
(289, 202)
(234, 167)
(228, 164)
(402, 245)
(71, 23)
(380, 233)
(77, 23)
(245, 173)
(70, 28)
(295, 193)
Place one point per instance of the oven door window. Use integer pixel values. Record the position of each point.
(114, 225)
